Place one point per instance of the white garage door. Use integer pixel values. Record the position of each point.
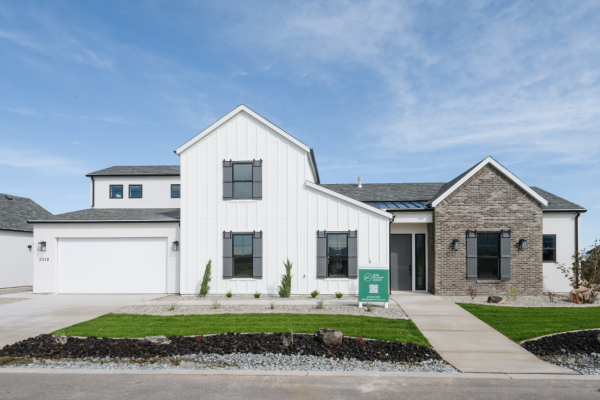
(121, 265)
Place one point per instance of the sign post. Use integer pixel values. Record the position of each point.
(373, 283)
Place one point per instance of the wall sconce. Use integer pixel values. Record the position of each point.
(522, 244)
(29, 246)
(175, 246)
(41, 246)
(456, 245)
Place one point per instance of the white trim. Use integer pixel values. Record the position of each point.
(348, 199)
(507, 173)
(415, 217)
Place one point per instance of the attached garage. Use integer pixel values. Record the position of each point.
(112, 265)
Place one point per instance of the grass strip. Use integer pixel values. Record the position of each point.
(522, 323)
(135, 326)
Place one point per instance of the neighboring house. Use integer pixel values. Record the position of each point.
(251, 198)
(16, 239)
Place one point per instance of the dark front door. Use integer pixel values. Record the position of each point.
(401, 259)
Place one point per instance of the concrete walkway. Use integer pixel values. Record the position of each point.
(47, 313)
(465, 341)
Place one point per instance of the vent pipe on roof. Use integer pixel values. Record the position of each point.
(359, 182)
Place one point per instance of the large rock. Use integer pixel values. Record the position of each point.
(580, 296)
(495, 299)
(329, 336)
(158, 339)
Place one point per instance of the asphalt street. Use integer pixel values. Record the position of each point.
(148, 387)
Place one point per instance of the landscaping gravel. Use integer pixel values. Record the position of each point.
(18, 289)
(560, 300)
(393, 311)
(219, 297)
(8, 300)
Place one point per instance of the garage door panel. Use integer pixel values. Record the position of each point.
(112, 265)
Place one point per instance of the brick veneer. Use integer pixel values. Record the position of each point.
(486, 202)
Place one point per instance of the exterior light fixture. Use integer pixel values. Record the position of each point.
(175, 246)
(522, 244)
(456, 245)
(41, 246)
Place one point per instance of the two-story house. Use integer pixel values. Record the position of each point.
(248, 197)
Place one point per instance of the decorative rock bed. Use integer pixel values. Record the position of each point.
(225, 351)
(8, 300)
(18, 289)
(579, 351)
(219, 297)
(560, 300)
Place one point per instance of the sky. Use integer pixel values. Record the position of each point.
(396, 91)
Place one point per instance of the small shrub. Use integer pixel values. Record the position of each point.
(285, 289)
(272, 305)
(256, 295)
(359, 337)
(339, 295)
(315, 293)
(229, 294)
(320, 305)
(551, 295)
(205, 287)
(216, 305)
(172, 306)
(369, 307)
(513, 293)
(61, 338)
(472, 291)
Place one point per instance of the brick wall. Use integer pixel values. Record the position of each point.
(487, 202)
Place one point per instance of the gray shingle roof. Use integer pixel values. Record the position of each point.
(387, 191)
(16, 211)
(555, 202)
(448, 185)
(148, 170)
(117, 214)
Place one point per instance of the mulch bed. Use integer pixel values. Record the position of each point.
(583, 342)
(45, 346)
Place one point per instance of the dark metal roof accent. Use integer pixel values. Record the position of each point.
(556, 203)
(141, 170)
(398, 205)
(387, 191)
(15, 211)
(115, 215)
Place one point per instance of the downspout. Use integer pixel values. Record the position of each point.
(390, 254)
(93, 190)
(577, 232)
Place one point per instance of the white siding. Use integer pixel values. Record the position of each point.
(563, 226)
(156, 192)
(16, 260)
(289, 213)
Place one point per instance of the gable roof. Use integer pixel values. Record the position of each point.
(16, 211)
(140, 170)
(373, 192)
(115, 215)
(240, 109)
(454, 184)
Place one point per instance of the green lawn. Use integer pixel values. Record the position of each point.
(128, 325)
(521, 323)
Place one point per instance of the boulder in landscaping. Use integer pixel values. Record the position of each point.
(158, 339)
(495, 299)
(580, 296)
(329, 336)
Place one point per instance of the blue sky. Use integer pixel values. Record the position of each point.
(392, 91)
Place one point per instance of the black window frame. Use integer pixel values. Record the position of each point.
(497, 234)
(327, 254)
(141, 190)
(424, 254)
(110, 196)
(233, 180)
(233, 256)
(176, 184)
(553, 248)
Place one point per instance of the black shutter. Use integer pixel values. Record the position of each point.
(321, 254)
(257, 179)
(257, 255)
(471, 254)
(227, 255)
(505, 256)
(352, 254)
(227, 180)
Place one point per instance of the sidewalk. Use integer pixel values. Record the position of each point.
(465, 341)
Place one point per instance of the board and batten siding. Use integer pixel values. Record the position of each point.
(289, 214)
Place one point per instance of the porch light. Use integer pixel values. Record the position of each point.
(522, 244)
(41, 246)
(175, 246)
(29, 246)
(456, 245)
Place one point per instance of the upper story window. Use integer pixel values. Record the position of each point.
(175, 191)
(549, 248)
(242, 180)
(116, 191)
(135, 191)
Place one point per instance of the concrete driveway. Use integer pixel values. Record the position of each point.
(47, 313)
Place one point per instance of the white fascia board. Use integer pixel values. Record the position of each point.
(236, 111)
(348, 199)
(407, 217)
(92, 221)
(499, 167)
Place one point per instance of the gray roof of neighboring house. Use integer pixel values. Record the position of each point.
(387, 191)
(116, 214)
(148, 170)
(16, 211)
(556, 203)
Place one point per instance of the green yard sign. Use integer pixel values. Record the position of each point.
(373, 283)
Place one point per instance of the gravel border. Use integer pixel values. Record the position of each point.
(18, 289)
(219, 297)
(586, 364)
(392, 312)
(560, 300)
(8, 300)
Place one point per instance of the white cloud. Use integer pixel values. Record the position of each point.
(115, 120)
(22, 111)
(76, 143)
(42, 162)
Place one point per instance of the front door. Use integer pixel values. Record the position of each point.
(401, 262)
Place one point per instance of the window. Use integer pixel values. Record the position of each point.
(488, 246)
(549, 248)
(116, 191)
(135, 191)
(175, 191)
(242, 181)
(242, 256)
(337, 255)
(420, 261)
